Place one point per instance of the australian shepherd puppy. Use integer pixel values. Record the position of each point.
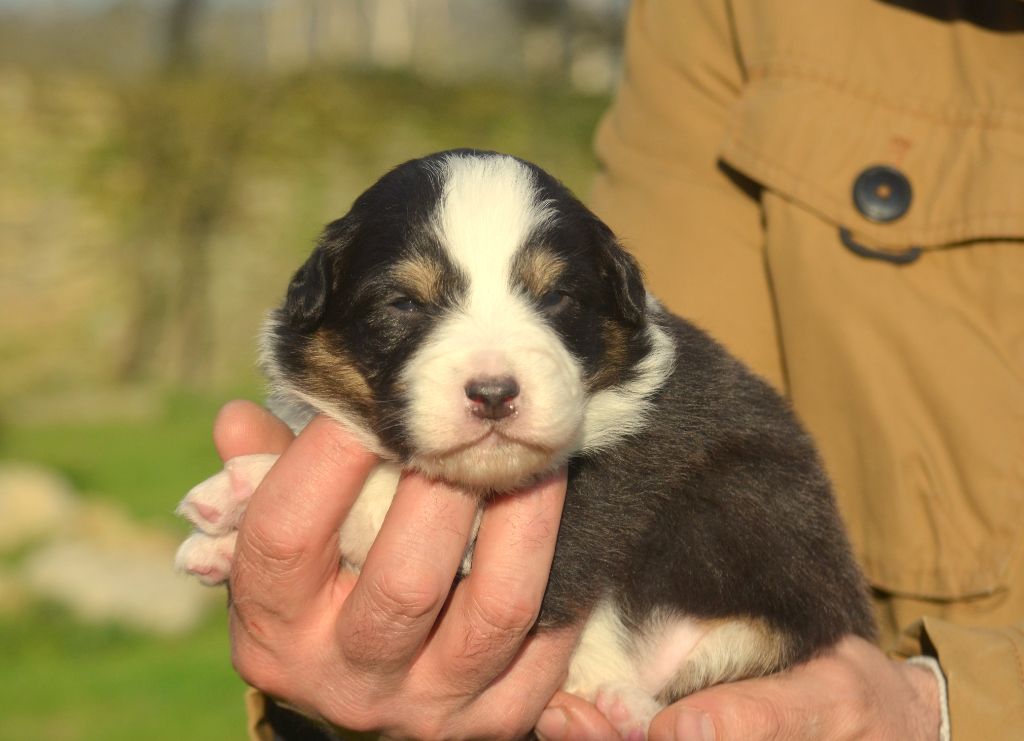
(469, 318)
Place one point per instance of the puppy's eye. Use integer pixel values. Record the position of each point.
(554, 301)
(405, 305)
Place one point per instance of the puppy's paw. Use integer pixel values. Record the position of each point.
(216, 505)
(207, 557)
(628, 708)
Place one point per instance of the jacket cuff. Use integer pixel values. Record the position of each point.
(984, 674)
(932, 665)
(257, 727)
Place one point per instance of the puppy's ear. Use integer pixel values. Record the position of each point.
(623, 273)
(306, 300)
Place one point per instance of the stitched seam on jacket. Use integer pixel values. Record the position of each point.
(1009, 118)
(1017, 654)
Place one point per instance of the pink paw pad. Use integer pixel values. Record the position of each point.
(629, 709)
(216, 505)
(207, 557)
(207, 512)
(209, 575)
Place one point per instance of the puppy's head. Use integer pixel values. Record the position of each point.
(463, 313)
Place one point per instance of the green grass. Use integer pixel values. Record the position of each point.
(64, 680)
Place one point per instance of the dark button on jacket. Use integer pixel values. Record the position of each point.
(882, 193)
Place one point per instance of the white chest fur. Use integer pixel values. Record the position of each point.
(367, 514)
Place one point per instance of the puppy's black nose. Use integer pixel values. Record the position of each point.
(493, 397)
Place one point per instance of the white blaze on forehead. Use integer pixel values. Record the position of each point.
(487, 212)
(489, 208)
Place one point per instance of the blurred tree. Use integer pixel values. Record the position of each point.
(182, 22)
(541, 11)
(185, 131)
(546, 23)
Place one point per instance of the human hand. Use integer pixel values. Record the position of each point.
(389, 649)
(855, 691)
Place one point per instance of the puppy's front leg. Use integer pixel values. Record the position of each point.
(215, 507)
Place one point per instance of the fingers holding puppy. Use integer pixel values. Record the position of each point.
(286, 557)
(415, 658)
(496, 605)
(460, 661)
(406, 578)
(344, 649)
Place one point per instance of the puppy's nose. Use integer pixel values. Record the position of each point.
(493, 398)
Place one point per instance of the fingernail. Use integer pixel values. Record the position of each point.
(694, 725)
(552, 725)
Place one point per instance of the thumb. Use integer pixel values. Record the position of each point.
(724, 713)
(571, 718)
(243, 428)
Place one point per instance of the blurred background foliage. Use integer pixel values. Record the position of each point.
(166, 167)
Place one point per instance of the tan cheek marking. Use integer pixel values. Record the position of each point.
(613, 364)
(331, 374)
(420, 277)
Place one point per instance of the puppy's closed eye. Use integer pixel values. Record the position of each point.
(553, 302)
(405, 305)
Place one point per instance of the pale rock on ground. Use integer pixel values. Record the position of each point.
(103, 584)
(91, 557)
(35, 503)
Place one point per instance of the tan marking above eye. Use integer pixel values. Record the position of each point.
(419, 278)
(539, 270)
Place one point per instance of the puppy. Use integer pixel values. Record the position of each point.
(470, 319)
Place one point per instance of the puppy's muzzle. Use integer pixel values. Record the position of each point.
(492, 398)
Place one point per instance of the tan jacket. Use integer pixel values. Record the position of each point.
(729, 160)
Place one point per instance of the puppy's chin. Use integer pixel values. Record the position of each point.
(493, 466)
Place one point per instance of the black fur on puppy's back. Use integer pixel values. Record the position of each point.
(718, 508)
